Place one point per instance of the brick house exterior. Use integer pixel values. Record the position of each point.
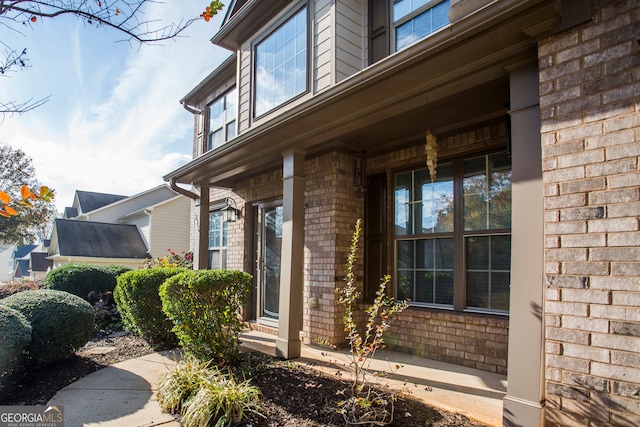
(589, 111)
(279, 172)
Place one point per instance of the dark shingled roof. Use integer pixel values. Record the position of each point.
(39, 261)
(99, 240)
(90, 201)
(22, 251)
(70, 212)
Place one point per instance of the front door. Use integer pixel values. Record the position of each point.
(269, 259)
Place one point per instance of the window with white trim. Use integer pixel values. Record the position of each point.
(453, 235)
(218, 238)
(221, 122)
(281, 64)
(416, 19)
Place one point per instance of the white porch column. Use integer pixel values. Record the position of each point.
(292, 258)
(525, 370)
(201, 233)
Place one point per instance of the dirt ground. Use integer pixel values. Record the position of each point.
(293, 395)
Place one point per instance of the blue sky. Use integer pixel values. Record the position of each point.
(114, 123)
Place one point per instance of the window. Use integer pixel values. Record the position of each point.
(416, 19)
(218, 236)
(222, 120)
(281, 64)
(458, 227)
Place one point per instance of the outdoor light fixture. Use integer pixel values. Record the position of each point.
(231, 212)
(360, 171)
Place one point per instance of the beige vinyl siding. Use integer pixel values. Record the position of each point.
(170, 227)
(244, 87)
(323, 45)
(350, 30)
(113, 212)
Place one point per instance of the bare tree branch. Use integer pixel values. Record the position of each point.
(124, 16)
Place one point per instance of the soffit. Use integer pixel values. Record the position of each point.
(451, 79)
(251, 17)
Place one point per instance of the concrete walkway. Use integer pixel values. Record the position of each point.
(123, 394)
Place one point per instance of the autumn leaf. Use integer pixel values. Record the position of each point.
(34, 19)
(4, 197)
(25, 192)
(10, 210)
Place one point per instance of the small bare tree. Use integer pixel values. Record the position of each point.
(123, 16)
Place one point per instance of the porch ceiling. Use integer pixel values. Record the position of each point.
(454, 78)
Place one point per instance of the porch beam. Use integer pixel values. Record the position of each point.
(523, 404)
(288, 343)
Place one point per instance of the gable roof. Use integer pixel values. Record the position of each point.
(90, 201)
(99, 240)
(39, 261)
(23, 251)
(70, 212)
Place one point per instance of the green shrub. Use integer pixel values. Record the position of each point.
(81, 279)
(204, 306)
(15, 334)
(138, 300)
(117, 270)
(61, 323)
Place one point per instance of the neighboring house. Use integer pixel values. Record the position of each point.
(21, 258)
(109, 229)
(491, 148)
(39, 265)
(6, 262)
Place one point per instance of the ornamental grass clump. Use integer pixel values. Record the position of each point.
(221, 401)
(365, 404)
(204, 396)
(180, 383)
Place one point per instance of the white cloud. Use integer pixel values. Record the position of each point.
(114, 123)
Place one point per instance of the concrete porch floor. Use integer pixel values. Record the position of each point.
(470, 392)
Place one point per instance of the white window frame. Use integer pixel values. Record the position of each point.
(306, 10)
(395, 23)
(229, 100)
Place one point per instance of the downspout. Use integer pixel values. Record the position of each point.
(190, 194)
(190, 108)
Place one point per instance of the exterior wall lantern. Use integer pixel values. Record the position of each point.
(231, 212)
(360, 171)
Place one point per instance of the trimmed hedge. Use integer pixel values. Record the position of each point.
(15, 334)
(83, 279)
(138, 301)
(205, 306)
(61, 323)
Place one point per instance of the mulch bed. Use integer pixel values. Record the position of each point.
(293, 395)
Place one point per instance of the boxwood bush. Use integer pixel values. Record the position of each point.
(15, 334)
(204, 306)
(83, 279)
(61, 323)
(138, 301)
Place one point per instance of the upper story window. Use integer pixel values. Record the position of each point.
(222, 119)
(281, 64)
(416, 19)
(458, 227)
